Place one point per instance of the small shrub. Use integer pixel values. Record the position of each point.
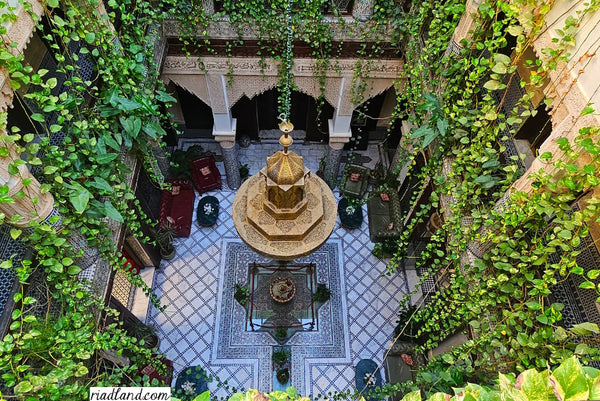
(322, 294)
(283, 375)
(242, 294)
(280, 357)
(280, 333)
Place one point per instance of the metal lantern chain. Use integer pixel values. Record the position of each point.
(288, 62)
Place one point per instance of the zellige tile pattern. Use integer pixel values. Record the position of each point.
(202, 324)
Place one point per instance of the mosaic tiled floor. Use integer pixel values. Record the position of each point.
(203, 325)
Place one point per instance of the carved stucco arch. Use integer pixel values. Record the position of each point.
(194, 84)
(376, 89)
(251, 86)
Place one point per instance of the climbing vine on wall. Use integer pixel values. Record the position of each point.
(54, 344)
(527, 243)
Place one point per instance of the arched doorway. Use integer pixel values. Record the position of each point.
(260, 114)
(369, 121)
(197, 115)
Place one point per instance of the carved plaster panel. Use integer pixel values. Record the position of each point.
(249, 86)
(251, 66)
(195, 84)
(216, 92)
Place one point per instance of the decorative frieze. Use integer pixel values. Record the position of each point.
(256, 66)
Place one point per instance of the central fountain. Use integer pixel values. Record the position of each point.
(284, 211)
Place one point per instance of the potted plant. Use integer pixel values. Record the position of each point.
(280, 333)
(280, 357)
(322, 294)
(283, 375)
(145, 333)
(164, 239)
(241, 294)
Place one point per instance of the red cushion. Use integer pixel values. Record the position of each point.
(205, 174)
(354, 177)
(179, 208)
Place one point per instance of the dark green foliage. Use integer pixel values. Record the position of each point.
(280, 333)
(322, 294)
(283, 375)
(280, 356)
(241, 294)
(180, 162)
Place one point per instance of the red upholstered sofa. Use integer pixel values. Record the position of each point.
(205, 174)
(179, 206)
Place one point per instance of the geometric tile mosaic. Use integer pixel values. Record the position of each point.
(196, 288)
(329, 341)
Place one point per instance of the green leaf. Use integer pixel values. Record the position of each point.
(291, 391)
(110, 141)
(56, 267)
(423, 130)
(507, 387)
(165, 97)
(500, 68)
(565, 234)
(569, 381)
(127, 105)
(106, 158)
(112, 212)
(502, 58)
(51, 83)
(442, 125)
(50, 169)
(437, 397)
(78, 196)
(154, 130)
(593, 382)
(587, 285)
(101, 184)
(53, 3)
(205, 396)
(38, 117)
(507, 288)
(503, 266)
(493, 85)
(587, 110)
(582, 349)
(414, 396)
(533, 305)
(24, 386)
(90, 37)
(14, 233)
(515, 30)
(593, 274)
(534, 385)
(74, 270)
(585, 329)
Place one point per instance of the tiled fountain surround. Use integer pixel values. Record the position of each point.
(201, 319)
